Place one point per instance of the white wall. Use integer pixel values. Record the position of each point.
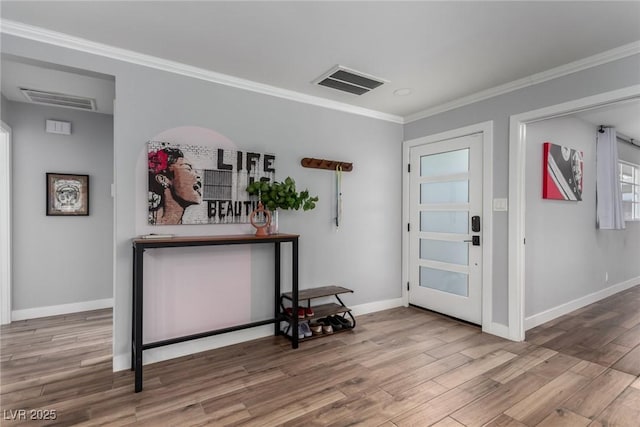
(60, 260)
(567, 258)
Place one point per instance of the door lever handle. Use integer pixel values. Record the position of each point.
(475, 240)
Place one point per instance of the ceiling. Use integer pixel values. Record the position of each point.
(623, 116)
(442, 51)
(19, 73)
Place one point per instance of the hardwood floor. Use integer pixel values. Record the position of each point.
(400, 367)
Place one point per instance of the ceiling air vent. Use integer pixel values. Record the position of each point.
(346, 80)
(59, 99)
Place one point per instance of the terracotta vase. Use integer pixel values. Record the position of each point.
(261, 229)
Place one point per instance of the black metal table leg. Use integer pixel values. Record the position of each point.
(137, 336)
(294, 293)
(133, 312)
(276, 299)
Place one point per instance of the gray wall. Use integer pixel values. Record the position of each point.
(364, 255)
(567, 257)
(3, 109)
(60, 260)
(607, 77)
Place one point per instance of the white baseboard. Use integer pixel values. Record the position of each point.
(372, 307)
(497, 329)
(123, 361)
(555, 312)
(54, 310)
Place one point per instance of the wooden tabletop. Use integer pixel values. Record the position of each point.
(213, 239)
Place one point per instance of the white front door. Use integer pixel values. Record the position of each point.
(445, 231)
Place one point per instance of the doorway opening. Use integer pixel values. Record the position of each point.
(68, 267)
(517, 191)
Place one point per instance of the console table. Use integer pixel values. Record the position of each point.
(141, 244)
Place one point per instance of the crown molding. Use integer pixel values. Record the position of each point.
(563, 70)
(75, 43)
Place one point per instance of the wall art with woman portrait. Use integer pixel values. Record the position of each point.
(192, 184)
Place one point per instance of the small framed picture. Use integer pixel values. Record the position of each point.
(67, 194)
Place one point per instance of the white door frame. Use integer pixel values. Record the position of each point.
(486, 128)
(5, 225)
(517, 191)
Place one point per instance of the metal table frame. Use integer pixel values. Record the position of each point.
(139, 247)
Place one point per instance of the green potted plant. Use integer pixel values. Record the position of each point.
(281, 195)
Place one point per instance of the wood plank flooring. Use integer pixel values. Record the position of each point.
(400, 367)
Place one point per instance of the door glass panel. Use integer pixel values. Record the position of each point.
(444, 192)
(444, 221)
(445, 163)
(445, 251)
(446, 281)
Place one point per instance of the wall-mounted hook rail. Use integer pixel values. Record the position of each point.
(310, 162)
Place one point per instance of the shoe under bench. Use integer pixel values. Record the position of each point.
(320, 311)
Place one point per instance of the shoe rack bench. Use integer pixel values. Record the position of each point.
(320, 311)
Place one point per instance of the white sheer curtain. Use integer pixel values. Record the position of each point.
(608, 193)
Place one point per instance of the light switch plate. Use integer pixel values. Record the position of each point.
(500, 205)
(59, 127)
